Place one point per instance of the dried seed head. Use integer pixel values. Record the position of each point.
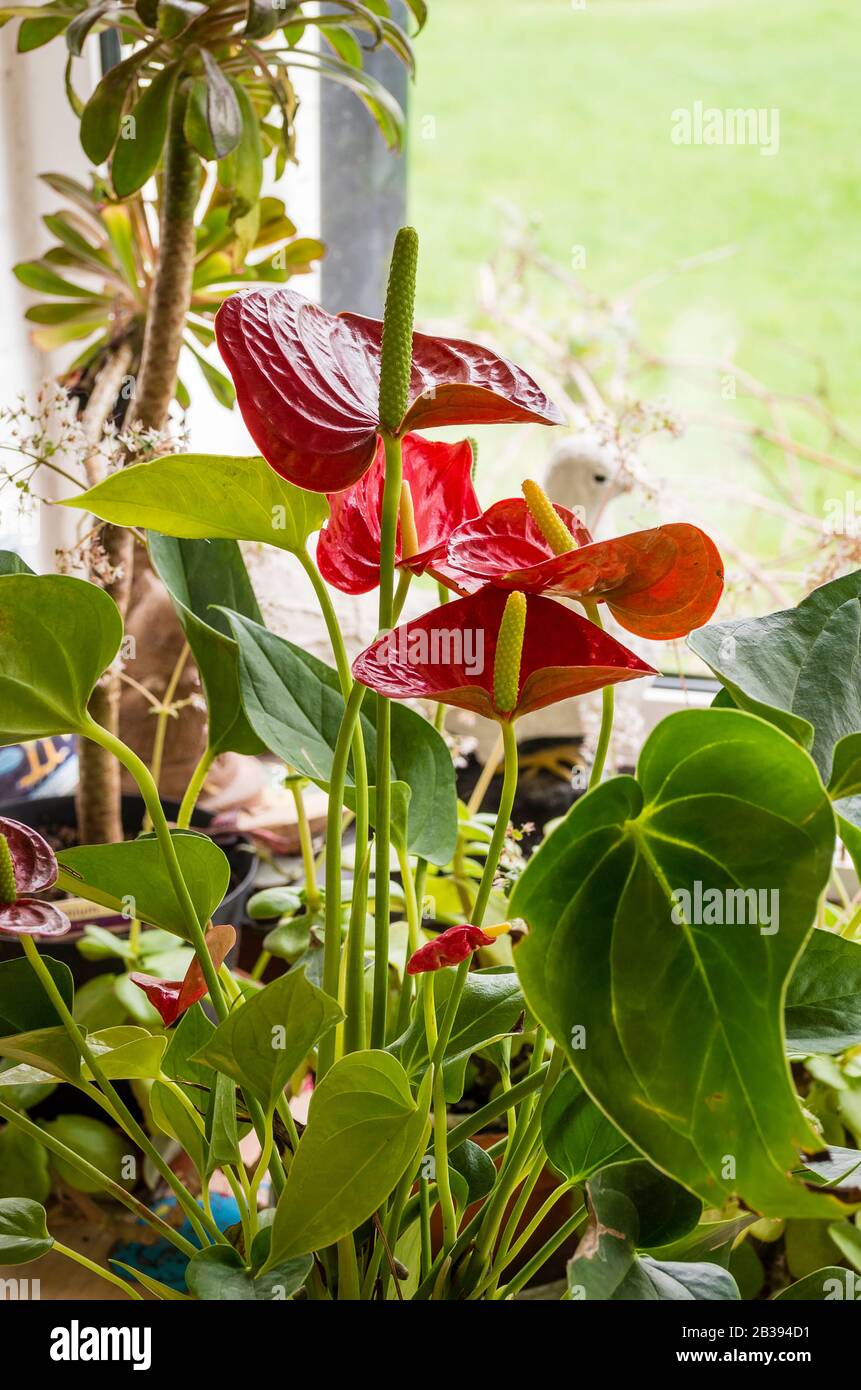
(509, 649)
(396, 354)
(547, 519)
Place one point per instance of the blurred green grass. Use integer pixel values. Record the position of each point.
(567, 113)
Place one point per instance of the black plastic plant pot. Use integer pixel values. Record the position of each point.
(55, 818)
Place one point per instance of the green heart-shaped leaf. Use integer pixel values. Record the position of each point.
(801, 670)
(476, 1170)
(23, 1231)
(832, 1282)
(293, 702)
(127, 1054)
(94, 1141)
(132, 878)
(204, 497)
(23, 1165)
(175, 1119)
(491, 1004)
(219, 1273)
(24, 1005)
(199, 576)
(823, 1001)
(672, 1021)
(578, 1138)
(364, 1130)
(57, 637)
(607, 1267)
(189, 1036)
(49, 1050)
(262, 1043)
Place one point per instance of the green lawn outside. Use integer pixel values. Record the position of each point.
(567, 113)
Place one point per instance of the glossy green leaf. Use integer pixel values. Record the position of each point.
(190, 1035)
(10, 563)
(100, 122)
(127, 1053)
(799, 668)
(24, 1005)
(49, 1050)
(364, 1130)
(223, 114)
(219, 1273)
(222, 1132)
(23, 1231)
(823, 1001)
(264, 17)
(242, 171)
(476, 1170)
(838, 1167)
(34, 33)
(117, 223)
(262, 1043)
(293, 702)
(666, 1211)
(176, 1119)
(82, 24)
(138, 151)
(829, 1284)
(24, 1087)
(133, 878)
(199, 576)
(204, 497)
(273, 902)
(36, 275)
(847, 1238)
(94, 1141)
(577, 1136)
(607, 1267)
(97, 1004)
(195, 122)
(672, 1022)
(173, 16)
(491, 1004)
(57, 636)
(23, 1165)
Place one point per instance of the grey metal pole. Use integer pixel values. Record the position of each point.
(363, 193)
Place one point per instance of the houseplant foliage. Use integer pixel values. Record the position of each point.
(201, 89)
(640, 1044)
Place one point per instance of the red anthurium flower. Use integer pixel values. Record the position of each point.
(452, 946)
(450, 654)
(27, 865)
(308, 382)
(660, 583)
(439, 477)
(172, 997)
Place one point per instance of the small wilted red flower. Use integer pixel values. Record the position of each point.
(660, 583)
(27, 865)
(308, 384)
(439, 477)
(449, 948)
(450, 655)
(172, 997)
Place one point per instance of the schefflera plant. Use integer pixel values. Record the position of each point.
(636, 1061)
(202, 88)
